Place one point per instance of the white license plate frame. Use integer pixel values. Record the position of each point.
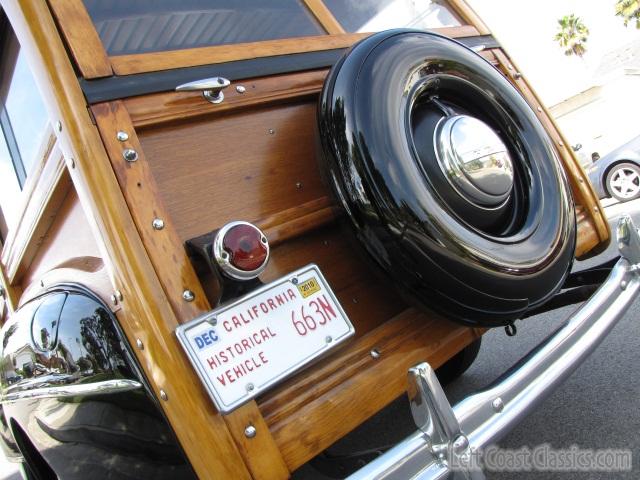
(215, 336)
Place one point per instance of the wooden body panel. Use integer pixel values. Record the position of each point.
(200, 165)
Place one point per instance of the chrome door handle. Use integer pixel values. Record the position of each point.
(211, 88)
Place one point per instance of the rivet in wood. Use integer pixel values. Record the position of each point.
(188, 295)
(240, 89)
(114, 299)
(375, 353)
(517, 75)
(130, 155)
(354, 300)
(539, 109)
(272, 131)
(158, 224)
(561, 144)
(596, 209)
(250, 431)
(581, 180)
(163, 395)
(59, 125)
(122, 136)
(139, 344)
(298, 185)
(119, 295)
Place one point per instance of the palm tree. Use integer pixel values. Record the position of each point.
(572, 35)
(629, 10)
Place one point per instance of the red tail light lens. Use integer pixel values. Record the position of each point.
(241, 250)
(245, 246)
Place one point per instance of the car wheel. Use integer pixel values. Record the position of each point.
(623, 182)
(449, 181)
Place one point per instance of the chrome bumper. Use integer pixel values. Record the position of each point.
(447, 435)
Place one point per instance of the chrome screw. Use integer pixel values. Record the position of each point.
(250, 431)
(139, 344)
(213, 321)
(240, 89)
(157, 224)
(375, 353)
(59, 126)
(114, 299)
(130, 155)
(294, 281)
(163, 395)
(119, 295)
(250, 387)
(328, 339)
(498, 404)
(188, 296)
(122, 136)
(623, 285)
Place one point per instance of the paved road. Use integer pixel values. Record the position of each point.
(598, 407)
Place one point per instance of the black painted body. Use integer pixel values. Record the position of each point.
(67, 337)
(376, 119)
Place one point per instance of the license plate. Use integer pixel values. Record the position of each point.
(241, 349)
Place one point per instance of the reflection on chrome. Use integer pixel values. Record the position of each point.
(474, 160)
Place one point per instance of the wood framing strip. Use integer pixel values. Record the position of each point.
(45, 191)
(82, 38)
(582, 189)
(462, 8)
(145, 313)
(324, 16)
(151, 62)
(175, 272)
(160, 108)
(315, 409)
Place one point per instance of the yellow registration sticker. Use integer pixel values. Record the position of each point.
(309, 287)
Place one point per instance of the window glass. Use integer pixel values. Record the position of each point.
(378, 15)
(23, 122)
(127, 27)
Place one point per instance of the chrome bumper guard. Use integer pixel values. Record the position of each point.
(447, 436)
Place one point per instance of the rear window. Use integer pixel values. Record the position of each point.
(378, 15)
(142, 26)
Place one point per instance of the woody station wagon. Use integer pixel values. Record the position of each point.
(233, 232)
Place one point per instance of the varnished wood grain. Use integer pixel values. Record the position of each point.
(152, 62)
(316, 409)
(82, 38)
(141, 193)
(462, 8)
(145, 313)
(245, 166)
(46, 188)
(156, 109)
(324, 16)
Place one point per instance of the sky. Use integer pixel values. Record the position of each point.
(526, 31)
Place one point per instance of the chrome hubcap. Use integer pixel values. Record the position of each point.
(625, 182)
(474, 160)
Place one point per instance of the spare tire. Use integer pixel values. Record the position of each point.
(452, 186)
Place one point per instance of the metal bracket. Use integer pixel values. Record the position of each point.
(628, 239)
(434, 416)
